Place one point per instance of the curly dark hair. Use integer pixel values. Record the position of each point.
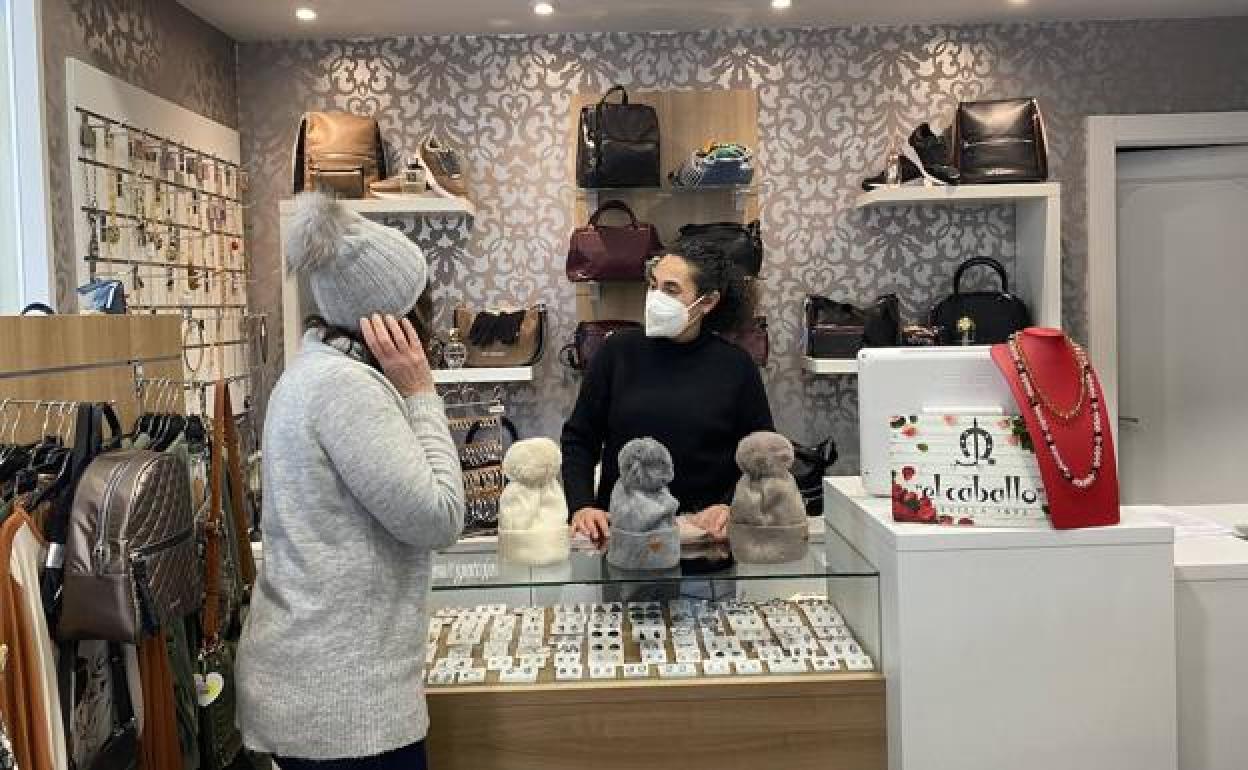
(714, 271)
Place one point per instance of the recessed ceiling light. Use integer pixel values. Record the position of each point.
(543, 9)
(305, 14)
(1018, 2)
(780, 5)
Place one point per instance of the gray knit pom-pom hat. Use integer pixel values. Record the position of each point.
(354, 267)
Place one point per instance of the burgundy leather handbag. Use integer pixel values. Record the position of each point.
(588, 339)
(599, 252)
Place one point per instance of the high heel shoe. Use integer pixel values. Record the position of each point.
(924, 156)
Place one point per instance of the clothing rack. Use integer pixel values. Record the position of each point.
(71, 359)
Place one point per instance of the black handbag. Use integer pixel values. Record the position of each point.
(1000, 141)
(840, 329)
(979, 317)
(617, 144)
(810, 465)
(743, 244)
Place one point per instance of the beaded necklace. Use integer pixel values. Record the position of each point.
(1098, 439)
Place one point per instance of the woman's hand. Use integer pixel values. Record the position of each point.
(593, 522)
(397, 348)
(714, 520)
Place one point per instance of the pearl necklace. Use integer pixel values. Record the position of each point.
(1098, 439)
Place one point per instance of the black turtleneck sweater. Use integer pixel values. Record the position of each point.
(698, 399)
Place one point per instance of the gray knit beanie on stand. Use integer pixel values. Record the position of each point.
(354, 267)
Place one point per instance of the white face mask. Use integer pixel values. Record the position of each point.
(666, 316)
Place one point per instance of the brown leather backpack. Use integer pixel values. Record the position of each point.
(130, 561)
(338, 153)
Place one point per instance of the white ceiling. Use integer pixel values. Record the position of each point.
(274, 19)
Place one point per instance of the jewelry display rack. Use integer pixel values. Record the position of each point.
(472, 415)
(158, 205)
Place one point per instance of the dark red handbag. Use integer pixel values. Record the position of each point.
(753, 339)
(600, 252)
(588, 339)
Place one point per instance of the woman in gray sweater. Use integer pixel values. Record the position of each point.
(361, 485)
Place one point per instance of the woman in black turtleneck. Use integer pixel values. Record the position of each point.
(679, 383)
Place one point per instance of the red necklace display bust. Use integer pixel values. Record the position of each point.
(1060, 399)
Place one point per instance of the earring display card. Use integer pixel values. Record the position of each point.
(519, 675)
(825, 664)
(678, 670)
(569, 672)
(602, 642)
(688, 655)
(787, 666)
(602, 671)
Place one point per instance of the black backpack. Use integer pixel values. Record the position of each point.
(617, 144)
(743, 244)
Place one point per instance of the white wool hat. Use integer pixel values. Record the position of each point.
(354, 267)
(532, 512)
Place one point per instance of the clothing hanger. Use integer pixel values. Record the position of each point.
(173, 425)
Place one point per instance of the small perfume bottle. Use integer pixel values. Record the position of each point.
(455, 353)
(892, 169)
(412, 181)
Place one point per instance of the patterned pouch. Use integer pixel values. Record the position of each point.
(718, 164)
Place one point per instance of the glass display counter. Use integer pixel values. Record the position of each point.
(565, 665)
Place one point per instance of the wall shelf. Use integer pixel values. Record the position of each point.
(592, 197)
(424, 204)
(827, 367)
(421, 205)
(482, 375)
(955, 194)
(1036, 275)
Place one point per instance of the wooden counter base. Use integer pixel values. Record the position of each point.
(794, 723)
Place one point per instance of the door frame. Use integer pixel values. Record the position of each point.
(1106, 134)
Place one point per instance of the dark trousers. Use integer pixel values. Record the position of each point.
(407, 758)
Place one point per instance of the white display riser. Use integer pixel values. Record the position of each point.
(1020, 649)
(1211, 602)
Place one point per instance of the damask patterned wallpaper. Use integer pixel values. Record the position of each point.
(156, 45)
(830, 99)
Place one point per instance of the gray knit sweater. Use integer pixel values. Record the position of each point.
(360, 486)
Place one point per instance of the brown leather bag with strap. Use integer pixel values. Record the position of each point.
(220, 739)
(338, 153)
(502, 338)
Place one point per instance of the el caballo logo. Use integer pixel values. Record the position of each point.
(969, 473)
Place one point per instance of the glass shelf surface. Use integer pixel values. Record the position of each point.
(476, 566)
(743, 189)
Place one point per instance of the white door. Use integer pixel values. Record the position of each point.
(1183, 325)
